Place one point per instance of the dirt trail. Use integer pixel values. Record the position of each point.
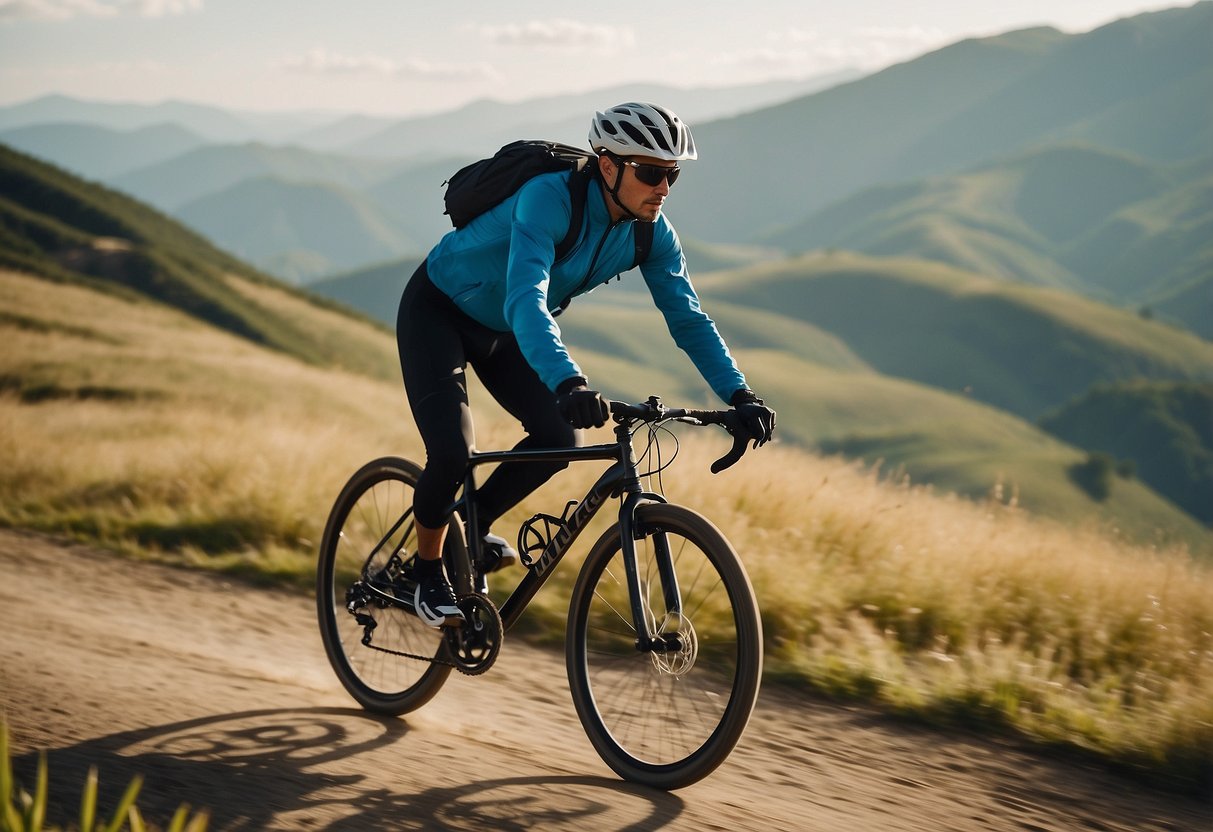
(220, 695)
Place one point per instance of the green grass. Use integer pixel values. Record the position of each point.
(947, 610)
(21, 811)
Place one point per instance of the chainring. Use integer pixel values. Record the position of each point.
(473, 646)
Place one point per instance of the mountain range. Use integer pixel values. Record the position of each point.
(1098, 222)
(1073, 160)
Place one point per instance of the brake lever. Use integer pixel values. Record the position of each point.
(741, 438)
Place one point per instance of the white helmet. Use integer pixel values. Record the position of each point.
(637, 129)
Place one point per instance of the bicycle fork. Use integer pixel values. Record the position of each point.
(651, 634)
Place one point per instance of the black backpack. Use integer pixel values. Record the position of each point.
(476, 188)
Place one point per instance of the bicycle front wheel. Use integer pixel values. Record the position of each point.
(667, 711)
(369, 535)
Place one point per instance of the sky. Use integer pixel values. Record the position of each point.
(403, 57)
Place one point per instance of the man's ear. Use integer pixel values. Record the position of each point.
(606, 167)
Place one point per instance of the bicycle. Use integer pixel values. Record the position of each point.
(663, 645)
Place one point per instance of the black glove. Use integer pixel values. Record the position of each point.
(580, 406)
(759, 420)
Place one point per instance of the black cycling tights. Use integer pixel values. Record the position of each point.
(437, 342)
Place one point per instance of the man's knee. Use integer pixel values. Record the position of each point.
(557, 434)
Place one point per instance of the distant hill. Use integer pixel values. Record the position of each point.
(1095, 221)
(1190, 306)
(214, 124)
(1140, 85)
(480, 127)
(1158, 253)
(1021, 348)
(207, 170)
(412, 197)
(100, 152)
(374, 290)
(1164, 428)
(59, 227)
(297, 231)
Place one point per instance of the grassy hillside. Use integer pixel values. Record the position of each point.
(297, 231)
(1150, 250)
(1188, 306)
(1140, 85)
(170, 439)
(1098, 222)
(1165, 429)
(1007, 219)
(1021, 348)
(58, 226)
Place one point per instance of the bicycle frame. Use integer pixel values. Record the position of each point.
(621, 480)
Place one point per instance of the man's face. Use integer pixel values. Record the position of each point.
(643, 200)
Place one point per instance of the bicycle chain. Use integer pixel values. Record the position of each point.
(416, 656)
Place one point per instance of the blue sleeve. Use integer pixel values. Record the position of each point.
(665, 273)
(541, 218)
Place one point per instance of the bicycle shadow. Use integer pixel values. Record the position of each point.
(292, 768)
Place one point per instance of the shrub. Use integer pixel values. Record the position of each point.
(1094, 475)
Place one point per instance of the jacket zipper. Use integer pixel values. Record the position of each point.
(564, 304)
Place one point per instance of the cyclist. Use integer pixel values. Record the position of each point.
(487, 295)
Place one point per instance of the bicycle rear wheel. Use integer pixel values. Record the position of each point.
(666, 717)
(368, 537)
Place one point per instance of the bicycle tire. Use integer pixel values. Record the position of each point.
(375, 498)
(665, 720)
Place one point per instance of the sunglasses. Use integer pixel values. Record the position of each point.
(652, 175)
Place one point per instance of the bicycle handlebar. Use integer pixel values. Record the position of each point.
(654, 411)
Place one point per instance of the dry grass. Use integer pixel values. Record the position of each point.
(211, 451)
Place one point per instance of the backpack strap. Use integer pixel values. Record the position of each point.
(642, 235)
(579, 186)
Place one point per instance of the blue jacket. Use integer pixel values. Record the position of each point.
(498, 269)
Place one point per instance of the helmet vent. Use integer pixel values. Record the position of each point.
(636, 136)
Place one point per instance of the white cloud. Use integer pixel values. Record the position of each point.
(71, 9)
(765, 58)
(913, 35)
(560, 33)
(162, 8)
(322, 61)
(422, 69)
(54, 9)
(809, 49)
